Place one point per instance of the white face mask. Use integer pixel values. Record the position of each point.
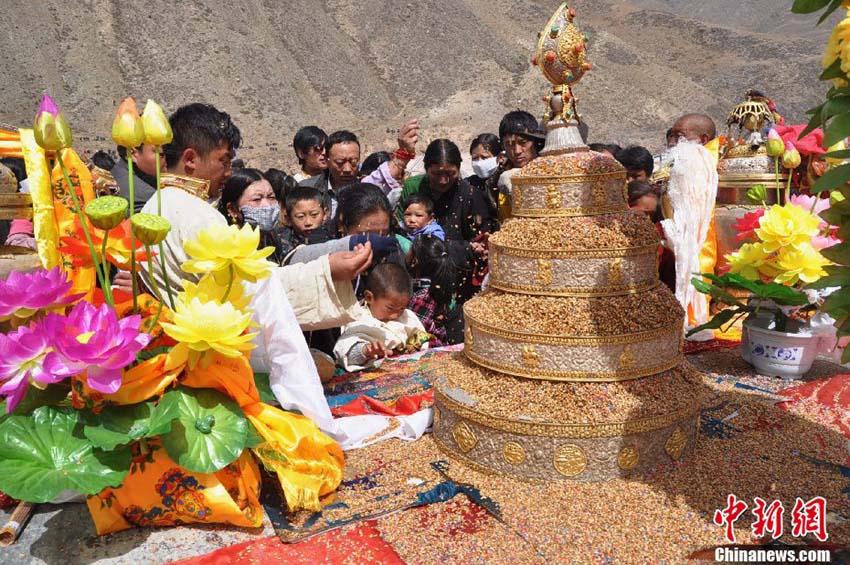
(264, 218)
(485, 167)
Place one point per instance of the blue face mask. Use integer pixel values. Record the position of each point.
(264, 218)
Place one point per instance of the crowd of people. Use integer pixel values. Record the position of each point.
(412, 249)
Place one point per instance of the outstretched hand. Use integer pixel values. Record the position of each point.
(409, 135)
(346, 265)
(377, 350)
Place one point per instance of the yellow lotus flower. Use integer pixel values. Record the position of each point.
(156, 126)
(203, 329)
(747, 261)
(802, 263)
(208, 290)
(221, 250)
(127, 129)
(788, 225)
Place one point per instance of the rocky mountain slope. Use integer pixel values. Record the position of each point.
(456, 64)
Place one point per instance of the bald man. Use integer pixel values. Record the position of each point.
(693, 127)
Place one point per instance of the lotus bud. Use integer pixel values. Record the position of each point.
(775, 146)
(107, 212)
(155, 123)
(127, 129)
(150, 228)
(791, 158)
(757, 194)
(840, 146)
(50, 128)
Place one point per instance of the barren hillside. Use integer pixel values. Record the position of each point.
(456, 64)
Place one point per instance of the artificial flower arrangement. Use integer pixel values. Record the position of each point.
(776, 270)
(148, 409)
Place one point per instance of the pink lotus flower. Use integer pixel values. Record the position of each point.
(24, 295)
(811, 144)
(747, 224)
(24, 359)
(821, 242)
(806, 202)
(94, 340)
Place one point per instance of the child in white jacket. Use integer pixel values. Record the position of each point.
(384, 326)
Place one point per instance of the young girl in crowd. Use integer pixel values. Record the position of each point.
(418, 214)
(433, 300)
(385, 327)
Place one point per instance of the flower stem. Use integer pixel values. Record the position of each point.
(107, 290)
(132, 235)
(229, 285)
(788, 186)
(161, 246)
(155, 290)
(82, 218)
(776, 184)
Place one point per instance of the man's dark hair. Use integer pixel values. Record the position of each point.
(302, 193)
(520, 122)
(103, 160)
(611, 148)
(637, 189)
(341, 136)
(417, 198)
(371, 163)
(307, 138)
(488, 141)
(237, 164)
(282, 184)
(200, 127)
(636, 158)
(387, 278)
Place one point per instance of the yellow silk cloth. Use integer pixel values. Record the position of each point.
(10, 144)
(43, 219)
(308, 464)
(83, 278)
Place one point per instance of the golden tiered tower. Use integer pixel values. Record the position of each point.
(572, 366)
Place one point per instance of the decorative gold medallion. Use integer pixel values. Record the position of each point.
(544, 272)
(516, 197)
(553, 196)
(615, 272)
(464, 437)
(469, 341)
(494, 263)
(513, 453)
(676, 444)
(627, 358)
(628, 458)
(530, 357)
(570, 461)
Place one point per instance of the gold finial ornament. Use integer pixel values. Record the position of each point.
(562, 57)
(754, 113)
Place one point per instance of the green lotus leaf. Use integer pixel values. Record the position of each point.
(51, 395)
(209, 433)
(254, 438)
(264, 388)
(44, 454)
(120, 425)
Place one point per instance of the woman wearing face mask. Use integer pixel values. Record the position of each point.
(487, 164)
(247, 197)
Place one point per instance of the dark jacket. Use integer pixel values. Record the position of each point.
(143, 186)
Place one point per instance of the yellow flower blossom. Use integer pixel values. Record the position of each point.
(208, 290)
(747, 261)
(203, 329)
(221, 250)
(788, 225)
(838, 46)
(802, 263)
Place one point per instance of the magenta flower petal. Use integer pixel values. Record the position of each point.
(95, 340)
(23, 294)
(47, 105)
(103, 380)
(25, 356)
